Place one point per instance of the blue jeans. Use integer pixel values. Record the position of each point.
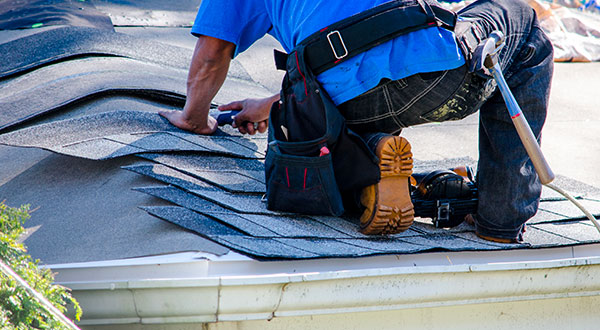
(509, 189)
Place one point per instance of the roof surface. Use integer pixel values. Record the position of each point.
(117, 181)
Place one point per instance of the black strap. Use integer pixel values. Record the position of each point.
(356, 34)
(428, 11)
(280, 59)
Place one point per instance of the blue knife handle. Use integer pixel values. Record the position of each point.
(226, 118)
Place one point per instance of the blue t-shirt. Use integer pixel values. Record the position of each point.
(242, 22)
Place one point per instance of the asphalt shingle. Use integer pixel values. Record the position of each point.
(52, 88)
(387, 245)
(450, 242)
(190, 162)
(487, 245)
(296, 226)
(260, 229)
(191, 220)
(537, 238)
(168, 175)
(114, 134)
(254, 224)
(570, 211)
(327, 247)
(55, 45)
(182, 198)
(265, 247)
(543, 216)
(16, 14)
(207, 208)
(233, 181)
(575, 231)
(236, 202)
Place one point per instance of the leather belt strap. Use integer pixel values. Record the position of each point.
(356, 34)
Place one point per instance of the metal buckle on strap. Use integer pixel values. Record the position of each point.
(339, 57)
(443, 213)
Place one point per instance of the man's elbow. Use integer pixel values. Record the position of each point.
(213, 50)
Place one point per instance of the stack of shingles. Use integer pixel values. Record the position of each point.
(229, 190)
(216, 186)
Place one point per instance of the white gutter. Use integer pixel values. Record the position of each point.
(263, 297)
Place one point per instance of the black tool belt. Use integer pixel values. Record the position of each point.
(313, 159)
(356, 34)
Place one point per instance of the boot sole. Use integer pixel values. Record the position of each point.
(498, 240)
(389, 207)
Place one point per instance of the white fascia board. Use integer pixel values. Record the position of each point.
(251, 297)
(191, 265)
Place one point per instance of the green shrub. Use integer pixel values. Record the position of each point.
(18, 310)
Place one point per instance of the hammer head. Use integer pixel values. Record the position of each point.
(486, 53)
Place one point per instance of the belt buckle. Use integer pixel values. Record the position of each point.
(336, 32)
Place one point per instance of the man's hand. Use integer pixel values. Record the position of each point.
(180, 120)
(254, 114)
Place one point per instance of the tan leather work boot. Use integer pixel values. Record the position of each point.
(389, 209)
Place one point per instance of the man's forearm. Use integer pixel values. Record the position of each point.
(207, 73)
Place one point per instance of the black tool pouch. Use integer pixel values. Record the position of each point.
(312, 156)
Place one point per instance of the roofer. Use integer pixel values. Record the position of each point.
(419, 76)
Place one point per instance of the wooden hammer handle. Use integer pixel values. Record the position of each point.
(533, 149)
(523, 129)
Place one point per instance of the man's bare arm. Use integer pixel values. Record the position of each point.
(207, 73)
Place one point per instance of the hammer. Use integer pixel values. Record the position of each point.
(486, 57)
